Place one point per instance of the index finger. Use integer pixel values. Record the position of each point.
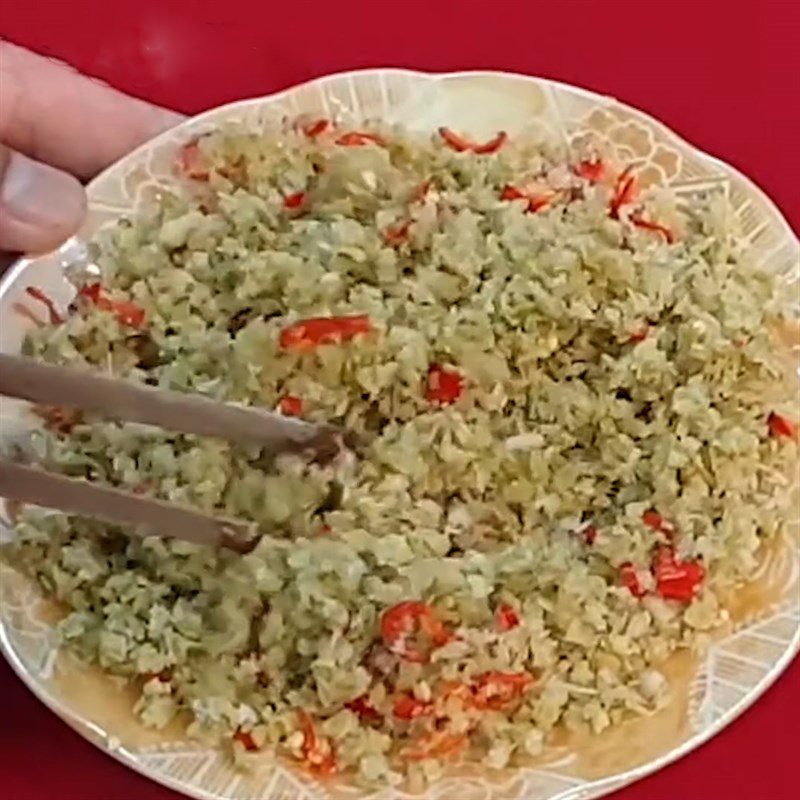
(54, 114)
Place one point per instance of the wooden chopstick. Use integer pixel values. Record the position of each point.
(116, 398)
(147, 517)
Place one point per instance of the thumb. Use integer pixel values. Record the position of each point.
(40, 206)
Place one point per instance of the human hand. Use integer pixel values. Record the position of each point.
(58, 127)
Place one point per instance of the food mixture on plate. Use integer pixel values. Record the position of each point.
(574, 431)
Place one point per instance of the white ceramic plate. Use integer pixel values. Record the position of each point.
(709, 692)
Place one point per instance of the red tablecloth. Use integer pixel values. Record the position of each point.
(723, 74)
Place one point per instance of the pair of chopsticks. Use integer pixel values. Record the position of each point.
(25, 379)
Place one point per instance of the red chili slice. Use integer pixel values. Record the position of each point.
(406, 706)
(314, 129)
(318, 753)
(405, 619)
(639, 335)
(630, 580)
(290, 405)
(654, 520)
(364, 709)
(246, 739)
(647, 225)
(625, 190)
(126, 311)
(191, 163)
(396, 234)
(444, 386)
(461, 144)
(592, 171)
(589, 534)
(780, 426)
(295, 200)
(506, 617)
(536, 202)
(512, 193)
(36, 293)
(360, 138)
(676, 579)
(420, 192)
(492, 146)
(308, 333)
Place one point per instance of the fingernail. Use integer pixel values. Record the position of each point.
(40, 203)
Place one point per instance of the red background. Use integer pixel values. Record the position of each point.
(725, 75)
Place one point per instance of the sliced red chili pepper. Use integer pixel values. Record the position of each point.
(308, 333)
(639, 335)
(191, 163)
(506, 617)
(625, 190)
(454, 141)
(676, 579)
(246, 740)
(318, 753)
(92, 292)
(654, 520)
(420, 193)
(295, 200)
(314, 129)
(495, 690)
(360, 138)
(492, 146)
(444, 386)
(433, 627)
(403, 620)
(536, 202)
(290, 405)
(36, 293)
(630, 580)
(590, 534)
(438, 744)
(396, 234)
(780, 426)
(647, 225)
(126, 311)
(592, 171)
(364, 709)
(461, 144)
(540, 202)
(512, 193)
(406, 706)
